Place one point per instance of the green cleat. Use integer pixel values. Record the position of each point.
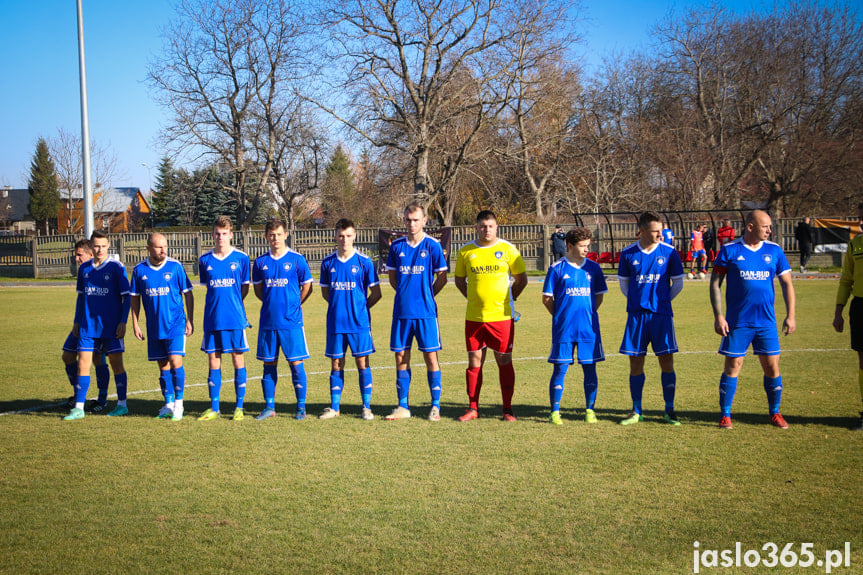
(238, 414)
(177, 414)
(209, 415)
(165, 413)
(75, 413)
(632, 418)
(671, 417)
(119, 411)
(555, 418)
(590, 416)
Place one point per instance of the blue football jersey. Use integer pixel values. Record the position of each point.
(102, 289)
(348, 282)
(749, 273)
(574, 289)
(649, 276)
(224, 278)
(281, 279)
(161, 290)
(415, 268)
(667, 236)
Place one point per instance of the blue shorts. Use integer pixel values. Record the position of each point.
(698, 253)
(107, 345)
(225, 341)
(160, 349)
(71, 343)
(361, 344)
(648, 327)
(425, 330)
(588, 351)
(764, 340)
(291, 341)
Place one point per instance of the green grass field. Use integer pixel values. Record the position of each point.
(136, 494)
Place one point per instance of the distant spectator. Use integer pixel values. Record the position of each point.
(667, 235)
(725, 233)
(558, 243)
(803, 235)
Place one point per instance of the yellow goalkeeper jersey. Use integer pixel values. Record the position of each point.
(488, 271)
(851, 281)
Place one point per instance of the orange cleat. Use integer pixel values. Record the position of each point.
(469, 415)
(778, 421)
(725, 422)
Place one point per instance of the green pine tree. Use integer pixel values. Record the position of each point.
(45, 200)
(166, 186)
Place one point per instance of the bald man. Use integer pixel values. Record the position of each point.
(161, 284)
(751, 263)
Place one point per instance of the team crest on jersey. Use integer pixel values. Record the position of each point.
(167, 276)
(287, 266)
(767, 258)
(660, 261)
(498, 255)
(355, 270)
(107, 277)
(423, 253)
(233, 267)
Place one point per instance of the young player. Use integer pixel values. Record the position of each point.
(161, 284)
(282, 282)
(696, 247)
(101, 314)
(572, 293)
(750, 264)
(84, 253)
(417, 271)
(667, 235)
(650, 276)
(482, 274)
(225, 272)
(851, 283)
(350, 286)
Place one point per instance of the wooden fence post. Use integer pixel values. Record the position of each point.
(546, 238)
(34, 247)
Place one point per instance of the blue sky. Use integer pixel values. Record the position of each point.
(39, 71)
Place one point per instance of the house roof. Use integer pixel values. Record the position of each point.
(113, 200)
(14, 204)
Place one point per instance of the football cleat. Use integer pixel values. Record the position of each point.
(632, 418)
(177, 414)
(778, 421)
(434, 414)
(508, 415)
(367, 414)
(671, 418)
(301, 413)
(469, 414)
(555, 418)
(70, 403)
(266, 414)
(398, 413)
(119, 411)
(239, 414)
(590, 416)
(165, 413)
(329, 414)
(725, 422)
(96, 407)
(209, 415)
(76, 413)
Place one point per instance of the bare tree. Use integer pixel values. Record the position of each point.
(66, 150)
(226, 66)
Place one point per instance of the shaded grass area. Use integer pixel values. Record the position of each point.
(136, 494)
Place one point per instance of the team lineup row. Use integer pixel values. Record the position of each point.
(489, 272)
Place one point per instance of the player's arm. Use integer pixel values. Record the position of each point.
(789, 325)
(124, 315)
(518, 285)
(548, 302)
(439, 281)
(79, 314)
(597, 299)
(305, 291)
(259, 291)
(720, 326)
(394, 278)
(244, 290)
(374, 295)
(136, 309)
(325, 293)
(190, 312)
(461, 284)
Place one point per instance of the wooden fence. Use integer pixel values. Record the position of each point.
(52, 256)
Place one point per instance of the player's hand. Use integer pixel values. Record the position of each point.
(190, 329)
(138, 333)
(121, 330)
(838, 323)
(789, 326)
(720, 326)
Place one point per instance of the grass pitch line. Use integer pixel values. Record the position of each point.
(380, 368)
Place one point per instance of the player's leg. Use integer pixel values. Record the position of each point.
(855, 318)
(589, 354)
(70, 365)
(500, 337)
(401, 339)
(728, 383)
(296, 351)
(429, 343)
(238, 358)
(476, 348)
(634, 345)
(212, 345)
(669, 387)
(561, 358)
(166, 382)
(765, 344)
(178, 375)
(335, 350)
(636, 389)
(362, 346)
(82, 379)
(103, 379)
(268, 353)
(115, 358)
(859, 425)
(300, 382)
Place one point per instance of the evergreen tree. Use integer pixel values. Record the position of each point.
(166, 187)
(44, 197)
(339, 189)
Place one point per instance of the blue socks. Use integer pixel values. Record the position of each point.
(268, 384)
(120, 379)
(727, 388)
(240, 386)
(434, 380)
(555, 385)
(773, 387)
(669, 385)
(166, 382)
(591, 383)
(72, 374)
(403, 386)
(179, 382)
(214, 386)
(636, 386)
(82, 385)
(366, 386)
(337, 383)
(103, 378)
(298, 378)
